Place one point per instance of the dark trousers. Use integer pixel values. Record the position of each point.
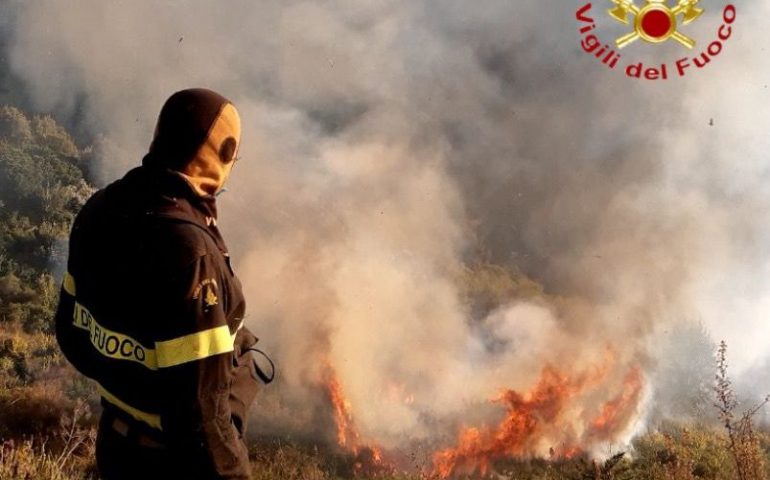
(121, 457)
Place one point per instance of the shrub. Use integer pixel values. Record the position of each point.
(69, 456)
(14, 125)
(52, 135)
(743, 441)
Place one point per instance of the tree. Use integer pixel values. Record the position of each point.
(42, 186)
(14, 125)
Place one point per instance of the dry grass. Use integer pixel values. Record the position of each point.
(47, 433)
(67, 454)
(682, 454)
(30, 460)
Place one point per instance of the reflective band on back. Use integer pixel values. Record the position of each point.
(69, 284)
(195, 346)
(113, 344)
(150, 419)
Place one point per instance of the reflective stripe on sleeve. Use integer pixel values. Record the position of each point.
(150, 419)
(119, 346)
(113, 344)
(69, 284)
(195, 346)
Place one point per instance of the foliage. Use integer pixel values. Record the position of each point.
(31, 460)
(744, 443)
(42, 187)
(681, 454)
(14, 125)
(70, 458)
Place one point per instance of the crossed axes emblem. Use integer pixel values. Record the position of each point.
(655, 22)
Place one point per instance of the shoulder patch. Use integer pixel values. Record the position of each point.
(207, 289)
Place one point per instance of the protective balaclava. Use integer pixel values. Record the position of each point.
(198, 135)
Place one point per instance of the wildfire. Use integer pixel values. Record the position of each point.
(617, 412)
(558, 417)
(524, 417)
(368, 457)
(544, 413)
(342, 416)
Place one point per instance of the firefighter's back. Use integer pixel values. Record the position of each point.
(122, 267)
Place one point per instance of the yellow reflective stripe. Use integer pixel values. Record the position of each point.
(150, 419)
(69, 283)
(195, 346)
(113, 344)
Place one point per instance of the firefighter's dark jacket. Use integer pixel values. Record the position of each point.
(152, 311)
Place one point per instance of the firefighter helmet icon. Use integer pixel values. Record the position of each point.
(655, 22)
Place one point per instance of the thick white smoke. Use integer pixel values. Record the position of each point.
(386, 141)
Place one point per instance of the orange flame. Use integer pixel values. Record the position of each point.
(368, 457)
(552, 411)
(533, 417)
(526, 413)
(347, 435)
(617, 412)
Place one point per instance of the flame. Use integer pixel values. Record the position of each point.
(569, 453)
(369, 457)
(553, 412)
(617, 412)
(545, 413)
(347, 435)
(525, 415)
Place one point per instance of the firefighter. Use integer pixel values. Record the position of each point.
(152, 311)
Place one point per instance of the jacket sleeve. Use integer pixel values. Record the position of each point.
(195, 361)
(74, 344)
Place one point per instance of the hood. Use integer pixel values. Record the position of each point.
(197, 135)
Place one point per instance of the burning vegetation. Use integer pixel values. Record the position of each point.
(546, 417)
(368, 458)
(557, 419)
(560, 422)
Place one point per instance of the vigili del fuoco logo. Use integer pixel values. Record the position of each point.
(654, 22)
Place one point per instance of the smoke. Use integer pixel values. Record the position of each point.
(387, 143)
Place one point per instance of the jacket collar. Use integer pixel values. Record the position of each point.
(171, 196)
